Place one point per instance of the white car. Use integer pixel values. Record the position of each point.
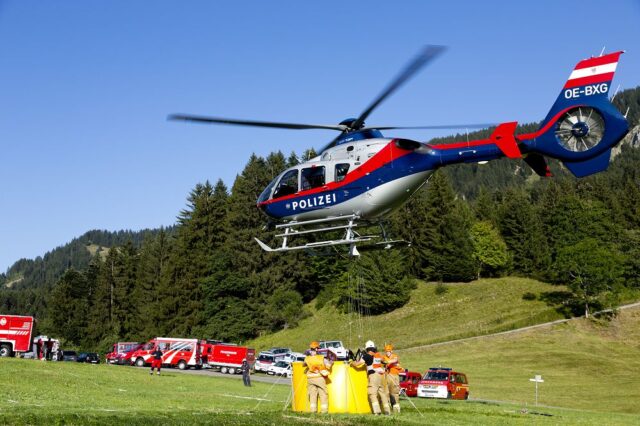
(336, 347)
(280, 368)
(293, 357)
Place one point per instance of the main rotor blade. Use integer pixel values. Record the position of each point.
(427, 54)
(216, 120)
(444, 126)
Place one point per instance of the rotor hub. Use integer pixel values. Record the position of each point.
(580, 129)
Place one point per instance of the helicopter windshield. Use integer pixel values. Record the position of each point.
(287, 185)
(267, 191)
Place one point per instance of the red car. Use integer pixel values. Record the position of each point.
(409, 382)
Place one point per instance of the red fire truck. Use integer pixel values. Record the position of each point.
(15, 334)
(176, 352)
(121, 353)
(226, 357)
(441, 382)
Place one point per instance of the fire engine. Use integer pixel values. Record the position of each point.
(121, 352)
(15, 334)
(176, 352)
(441, 382)
(226, 357)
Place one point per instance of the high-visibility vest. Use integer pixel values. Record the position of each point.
(393, 364)
(376, 366)
(316, 366)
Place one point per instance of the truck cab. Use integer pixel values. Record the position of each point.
(441, 382)
(409, 381)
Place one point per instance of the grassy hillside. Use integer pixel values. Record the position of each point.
(585, 364)
(69, 393)
(464, 310)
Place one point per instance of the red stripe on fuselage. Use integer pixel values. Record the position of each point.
(592, 79)
(389, 153)
(546, 127)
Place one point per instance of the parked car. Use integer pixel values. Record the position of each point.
(293, 357)
(409, 381)
(280, 351)
(444, 383)
(334, 346)
(264, 361)
(90, 357)
(69, 356)
(280, 368)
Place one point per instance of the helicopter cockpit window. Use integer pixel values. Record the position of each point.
(341, 171)
(288, 184)
(312, 177)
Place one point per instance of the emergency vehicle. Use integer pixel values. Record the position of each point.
(226, 357)
(409, 381)
(443, 383)
(176, 352)
(121, 352)
(15, 334)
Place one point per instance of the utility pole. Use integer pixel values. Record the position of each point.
(537, 379)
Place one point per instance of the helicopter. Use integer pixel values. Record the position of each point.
(361, 176)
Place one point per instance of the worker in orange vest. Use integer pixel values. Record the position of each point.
(377, 388)
(317, 370)
(393, 369)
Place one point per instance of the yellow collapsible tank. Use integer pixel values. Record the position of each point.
(346, 386)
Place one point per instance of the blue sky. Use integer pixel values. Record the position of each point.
(85, 88)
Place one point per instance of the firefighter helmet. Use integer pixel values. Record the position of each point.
(314, 345)
(369, 344)
(388, 347)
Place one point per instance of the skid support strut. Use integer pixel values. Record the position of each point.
(346, 224)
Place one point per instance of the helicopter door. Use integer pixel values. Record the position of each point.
(288, 184)
(312, 177)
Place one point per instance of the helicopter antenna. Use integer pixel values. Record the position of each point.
(615, 93)
(626, 113)
(602, 51)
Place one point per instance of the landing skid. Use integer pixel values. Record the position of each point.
(346, 223)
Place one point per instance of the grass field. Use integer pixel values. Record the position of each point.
(34, 392)
(469, 309)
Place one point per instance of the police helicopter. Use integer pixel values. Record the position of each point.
(361, 176)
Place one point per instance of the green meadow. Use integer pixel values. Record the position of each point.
(34, 392)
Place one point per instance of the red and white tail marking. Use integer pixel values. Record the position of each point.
(594, 70)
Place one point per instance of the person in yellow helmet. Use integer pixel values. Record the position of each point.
(377, 388)
(393, 369)
(317, 370)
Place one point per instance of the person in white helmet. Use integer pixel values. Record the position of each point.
(377, 388)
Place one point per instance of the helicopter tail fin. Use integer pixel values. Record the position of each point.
(588, 84)
(582, 125)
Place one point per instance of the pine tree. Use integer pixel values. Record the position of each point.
(68, 306)
(522, 230)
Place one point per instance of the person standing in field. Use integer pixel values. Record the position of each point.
(377, 388)
(246, 373)
(156, 360)
(317, 369)
(393, 369)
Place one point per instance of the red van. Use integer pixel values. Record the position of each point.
(443, 383)
(121, 353)
(176, 352)
(409, 382)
